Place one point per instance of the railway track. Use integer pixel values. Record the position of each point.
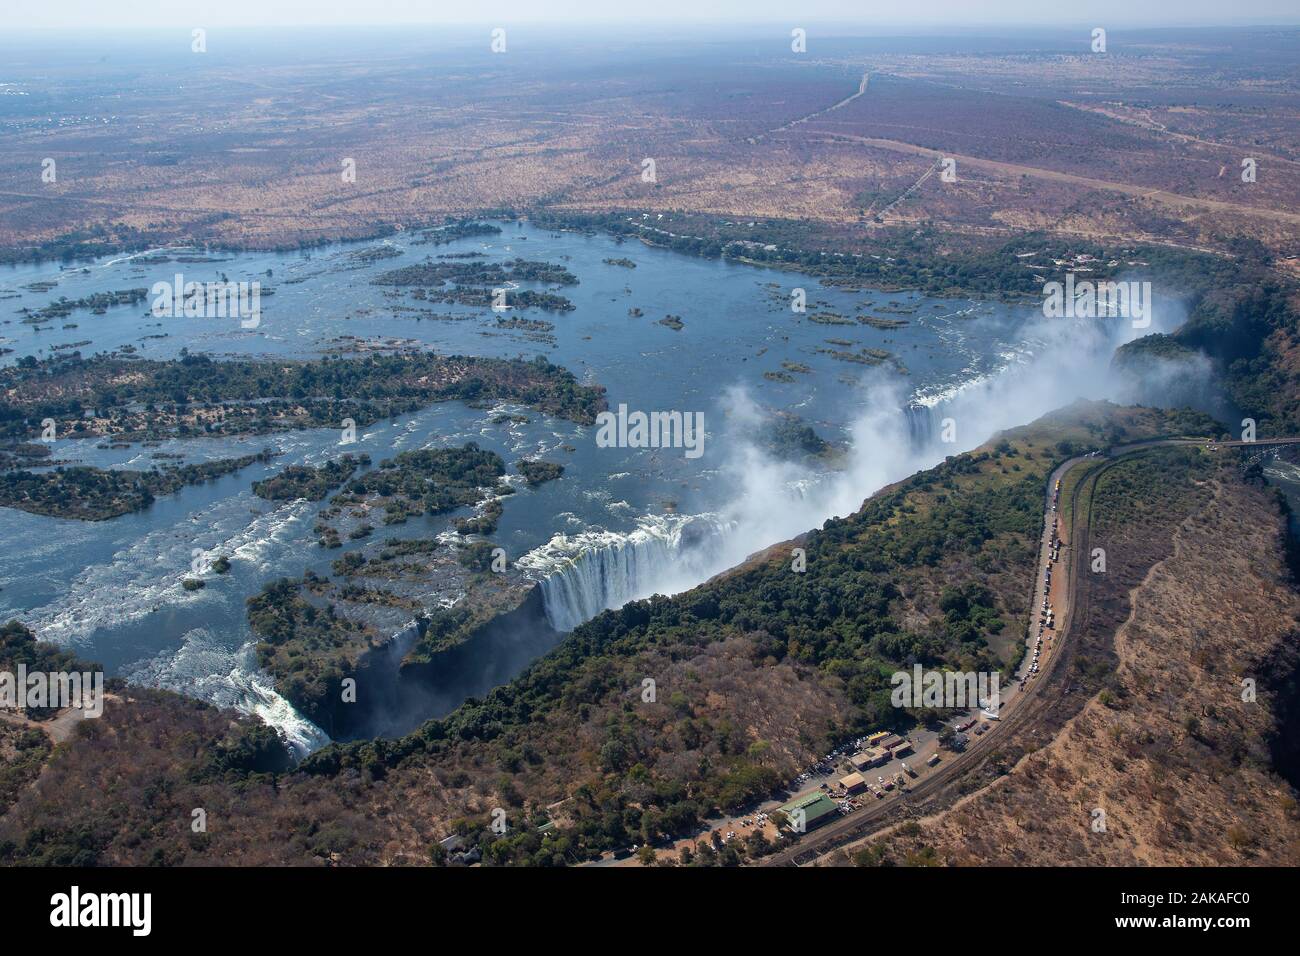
(1042, 696)
(1040, 699)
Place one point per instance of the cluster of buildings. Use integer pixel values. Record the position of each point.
(813, 809)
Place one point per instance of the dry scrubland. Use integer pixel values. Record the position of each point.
(754, 674)
(1135, 145)
(1144, 142)
(1178, 762)
(124, 788)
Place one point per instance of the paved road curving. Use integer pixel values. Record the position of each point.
(1024, 713)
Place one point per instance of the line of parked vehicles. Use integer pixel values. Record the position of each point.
(1047, 614)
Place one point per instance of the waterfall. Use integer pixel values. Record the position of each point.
(922, 424)
(584, 574)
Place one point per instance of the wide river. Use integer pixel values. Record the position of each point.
(112, 590)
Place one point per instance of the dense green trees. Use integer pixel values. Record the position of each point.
(257, 396)
(844, 622)
(539, 472)
(306, 481)
(95, 494)
(435, 273)
(428, 481)
(308, 648)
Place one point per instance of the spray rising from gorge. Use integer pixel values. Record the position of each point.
(771, 500)
(897, 434)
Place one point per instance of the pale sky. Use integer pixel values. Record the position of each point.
(930, 14)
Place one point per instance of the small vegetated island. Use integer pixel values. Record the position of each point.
(97, 494)
(791, 439)
(97, 303)
(865, 356)
(457, 229)
(429, 481)
(537, 472)
(472, 282)
(134, 399)
(829, 318)
(373, 254)
(884, 324)
(24, 454)
(312, 633)
(130, 399)
(310, 482)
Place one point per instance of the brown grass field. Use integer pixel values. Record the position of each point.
(1142, 143)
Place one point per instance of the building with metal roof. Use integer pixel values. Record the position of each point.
(811, 810)
(853, 782)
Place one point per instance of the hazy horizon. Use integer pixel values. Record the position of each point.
(83, 15)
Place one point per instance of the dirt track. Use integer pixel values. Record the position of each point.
(1035, 172)
(59, 728)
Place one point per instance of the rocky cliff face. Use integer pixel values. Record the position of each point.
(396, 693)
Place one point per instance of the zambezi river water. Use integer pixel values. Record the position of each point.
(621, 523)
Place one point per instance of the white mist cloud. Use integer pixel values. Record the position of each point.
(778, 500)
